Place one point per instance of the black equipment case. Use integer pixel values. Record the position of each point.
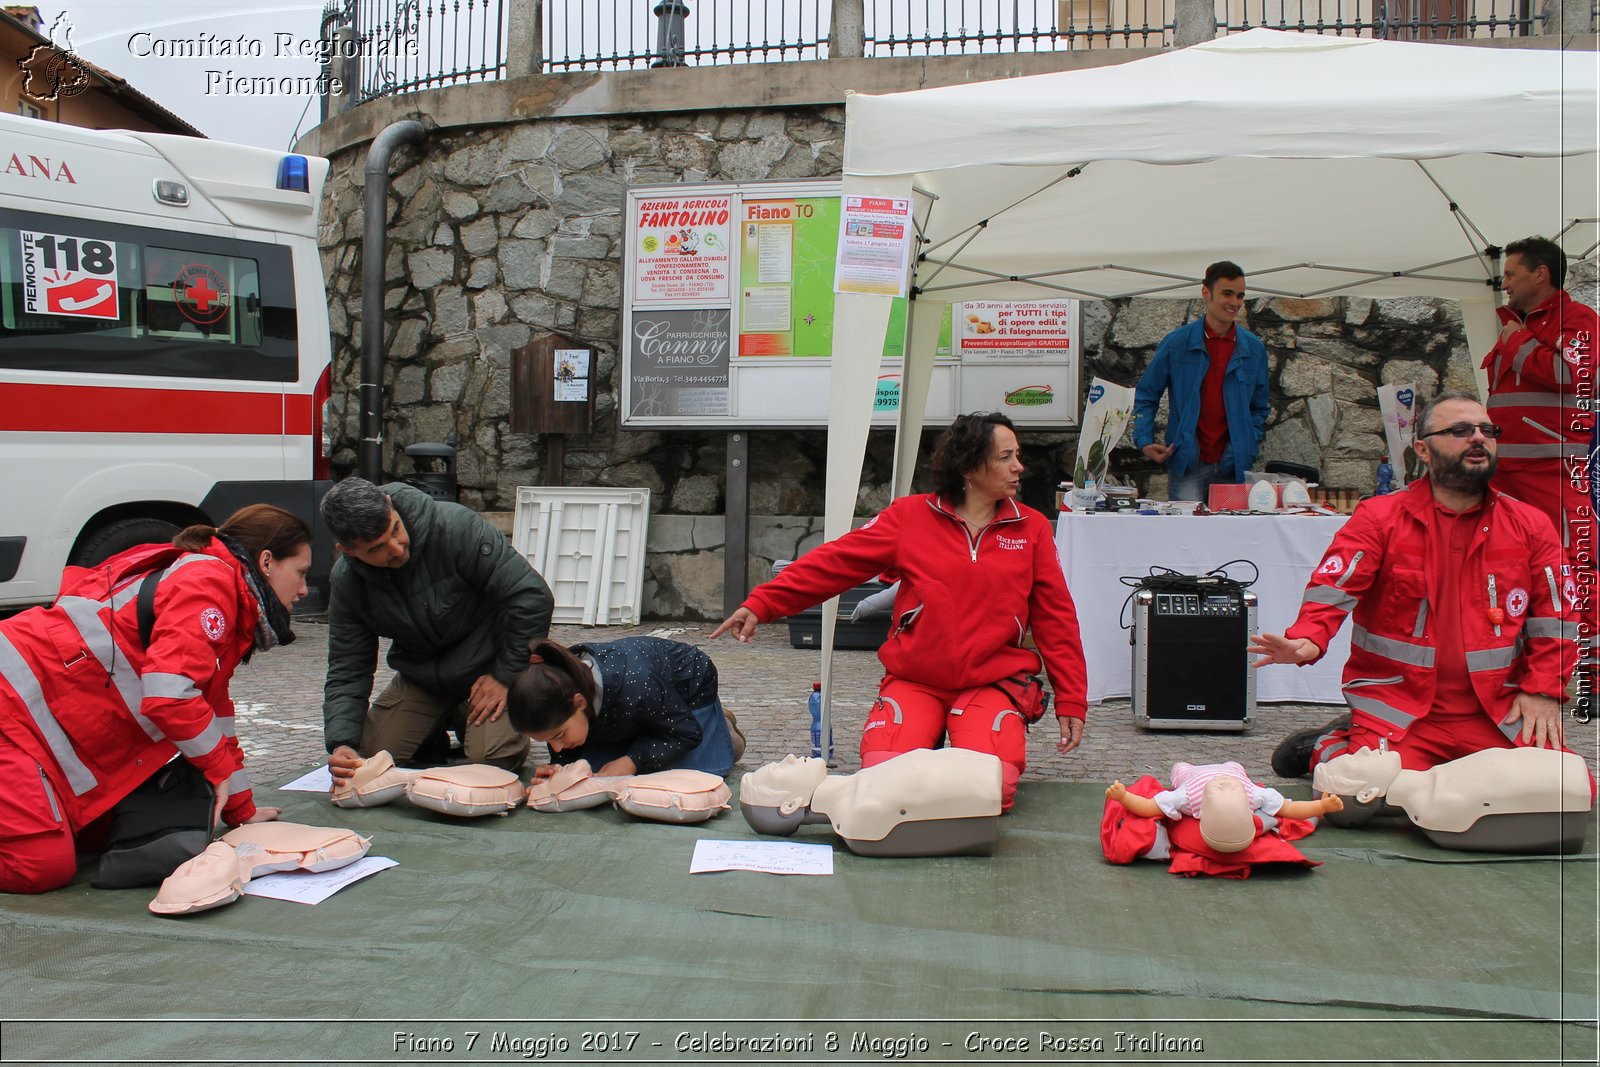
(1191, 667)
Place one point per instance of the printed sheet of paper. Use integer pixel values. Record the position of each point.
(312, 887)
(770, 857)
(317, 780)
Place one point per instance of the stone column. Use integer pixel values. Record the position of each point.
(1194, 21)
(847, 37)
(1562, 18)
(524, 38)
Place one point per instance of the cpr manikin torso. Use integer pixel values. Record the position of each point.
(927, 802)
(218, 875)
(1497, 800)
(679, 795)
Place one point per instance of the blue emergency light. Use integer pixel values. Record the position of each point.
(294, 174)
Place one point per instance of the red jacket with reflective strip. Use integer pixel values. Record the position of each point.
(98, 710)
(1541, 385)
(1379, 565)
(964, 602)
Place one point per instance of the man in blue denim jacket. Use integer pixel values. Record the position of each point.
(1214, 373)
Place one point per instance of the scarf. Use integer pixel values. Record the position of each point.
(272, 624)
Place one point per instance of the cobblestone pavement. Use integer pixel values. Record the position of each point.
(766, 684)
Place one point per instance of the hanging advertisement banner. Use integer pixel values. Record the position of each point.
(680, 252)
(874, 246)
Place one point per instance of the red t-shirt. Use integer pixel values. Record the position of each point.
(1211, 433)
(1449, 533)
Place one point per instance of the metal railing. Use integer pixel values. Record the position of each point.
(404, 45)
(382, 47)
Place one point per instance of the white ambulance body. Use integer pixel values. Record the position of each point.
(164, 349)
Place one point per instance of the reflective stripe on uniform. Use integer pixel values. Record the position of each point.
(201, 744)
(237, 782)
(1544, 626)
(1355, 561)
(15, 670)
(1550, 451)
(1331, 596)
(1527, 400)
(1422, 618)
(1491, 659)
(1510, 729)
(1379, 710)
(1390, 648)
(1550, 577)
(890, 702)
(1001, 716)
(84, 614)
(164, 686)
(1521, 358)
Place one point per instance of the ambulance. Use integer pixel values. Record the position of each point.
(164, 346)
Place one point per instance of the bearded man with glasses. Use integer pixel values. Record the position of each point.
(1465, 624)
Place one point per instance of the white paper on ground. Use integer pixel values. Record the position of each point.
(319, 780)
(771, 857)
(313, 887)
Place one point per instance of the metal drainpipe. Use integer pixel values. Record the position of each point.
(374, 250)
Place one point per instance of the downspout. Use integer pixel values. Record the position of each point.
(374, 251)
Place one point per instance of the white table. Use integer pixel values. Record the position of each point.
(1096, 550)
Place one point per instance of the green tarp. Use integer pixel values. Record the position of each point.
(546, 928)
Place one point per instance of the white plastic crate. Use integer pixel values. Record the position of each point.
(589, 544)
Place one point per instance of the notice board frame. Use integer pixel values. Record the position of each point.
(706, 320)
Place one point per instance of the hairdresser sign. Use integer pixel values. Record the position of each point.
(681, 252)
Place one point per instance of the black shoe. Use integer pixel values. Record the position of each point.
(1292, 757)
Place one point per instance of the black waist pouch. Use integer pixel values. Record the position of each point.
(157, 827)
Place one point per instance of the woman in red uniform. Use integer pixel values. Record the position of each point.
(977, 570)
(90, 708)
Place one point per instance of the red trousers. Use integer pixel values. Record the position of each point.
(909, 715)
(37, 851)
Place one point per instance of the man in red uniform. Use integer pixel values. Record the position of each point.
(1463, 601)
(1541, 389)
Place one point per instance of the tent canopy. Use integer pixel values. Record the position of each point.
(1323, 165)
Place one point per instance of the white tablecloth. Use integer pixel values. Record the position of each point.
(1096, 550)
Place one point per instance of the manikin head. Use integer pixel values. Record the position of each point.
(1227, 820)
(787, 785)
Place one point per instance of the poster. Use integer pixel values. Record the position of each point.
(874, 254)
(1105, 418)
(1036, 331)
(572, 375)
(785, 276)
(1397, 405)
(681, 252)
(680, 362)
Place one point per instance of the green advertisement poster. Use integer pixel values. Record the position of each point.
(785, 295)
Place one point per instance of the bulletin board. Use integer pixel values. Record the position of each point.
(728, 320)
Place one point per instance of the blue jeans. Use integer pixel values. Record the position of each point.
(1196, 484)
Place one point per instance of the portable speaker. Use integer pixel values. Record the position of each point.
(1191, 668)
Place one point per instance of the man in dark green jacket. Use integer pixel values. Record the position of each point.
(462, 608)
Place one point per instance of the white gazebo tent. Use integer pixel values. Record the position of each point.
(1326, 166)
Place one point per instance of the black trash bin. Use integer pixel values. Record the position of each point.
(435, 472)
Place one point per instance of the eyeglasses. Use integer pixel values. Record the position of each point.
(1464, 430)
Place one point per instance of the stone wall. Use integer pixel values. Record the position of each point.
(504, 231)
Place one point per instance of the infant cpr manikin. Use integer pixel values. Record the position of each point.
(467, 791)
(927, 802)
(218, 875)
(1499, 800)
(677, 796)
